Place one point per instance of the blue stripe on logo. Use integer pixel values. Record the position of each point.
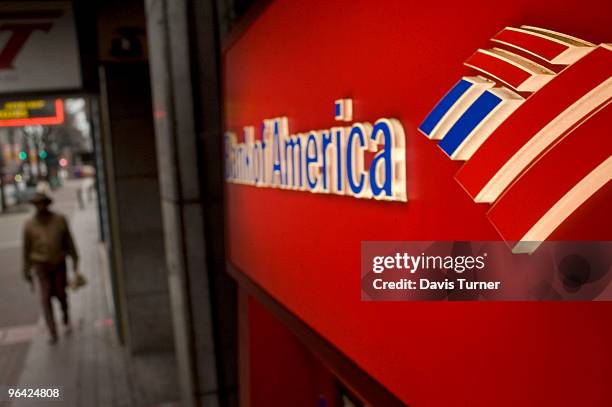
(444, 105)
(338, 110)
(468, 121)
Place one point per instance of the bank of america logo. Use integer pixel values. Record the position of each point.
(532, 126)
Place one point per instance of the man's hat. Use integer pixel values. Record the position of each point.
(41, 198)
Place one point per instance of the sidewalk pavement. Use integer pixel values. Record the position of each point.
(90, 365)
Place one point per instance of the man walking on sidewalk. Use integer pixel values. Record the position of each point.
(47, 242)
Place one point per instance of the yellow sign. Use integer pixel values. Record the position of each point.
(22, 109)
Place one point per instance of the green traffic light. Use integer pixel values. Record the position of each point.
(23, 155)
(43, 154)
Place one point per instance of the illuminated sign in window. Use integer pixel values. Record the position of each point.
(15, 113)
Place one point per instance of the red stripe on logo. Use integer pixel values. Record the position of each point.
(552, 176)
(536, 112)
(498, 68)
(530, 42)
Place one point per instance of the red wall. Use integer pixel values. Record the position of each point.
(396, 59)
(281, 371)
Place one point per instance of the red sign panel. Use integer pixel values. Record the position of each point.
(397, 59)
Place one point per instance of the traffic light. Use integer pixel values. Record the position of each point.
(23, 155)
(43, 154)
